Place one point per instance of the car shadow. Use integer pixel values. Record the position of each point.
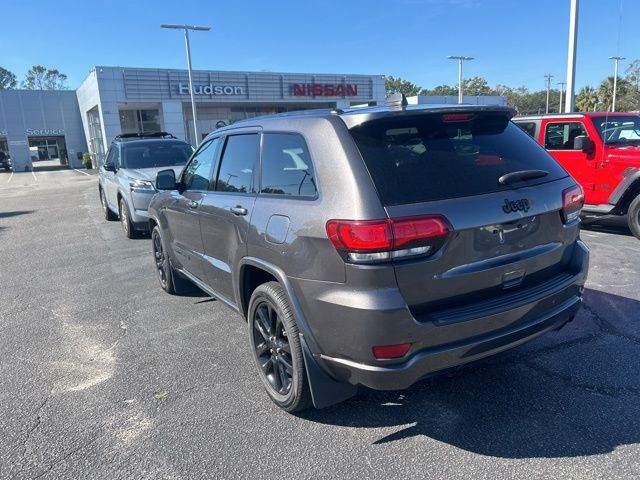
(615, 225)
(15, 213)
(570, 397)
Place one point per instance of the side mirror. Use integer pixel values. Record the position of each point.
(109, 167)
(584, 143)
(166, 180)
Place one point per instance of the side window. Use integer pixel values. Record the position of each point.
(528, 127)
(197, 173)
(238, 164)
(116, 157)
(560, 135)
(286, 166)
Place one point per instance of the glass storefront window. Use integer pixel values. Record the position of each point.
(140, 121)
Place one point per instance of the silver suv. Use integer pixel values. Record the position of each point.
(127, 177)
(374, 246)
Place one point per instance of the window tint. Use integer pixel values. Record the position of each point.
(155, 153)
(109, 157)
(528, 127)
(423, 158)
(197, 173)
(286, 166)
(560, 135)
(238, 164)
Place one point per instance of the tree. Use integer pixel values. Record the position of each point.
(43, 78)
(587, 99)
(7, 79)
(441, 90)
(398, 85)
(475, 86)
(624, 95)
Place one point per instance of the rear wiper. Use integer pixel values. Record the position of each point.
(521, 176)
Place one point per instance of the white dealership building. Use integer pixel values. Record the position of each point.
(114, 100)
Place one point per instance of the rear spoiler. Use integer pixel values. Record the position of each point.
(353, 118)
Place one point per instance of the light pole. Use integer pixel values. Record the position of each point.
(186, 29)
(562, 84)
(615, 81)
(548, 76)
(569, 101)
(460, 59)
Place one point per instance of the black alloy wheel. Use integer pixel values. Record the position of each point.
(272, 347)
(162, 263)
(276, 347)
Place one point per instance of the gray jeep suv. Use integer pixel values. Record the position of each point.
(127, 177)
(374, 246)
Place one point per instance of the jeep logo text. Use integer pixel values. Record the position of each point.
(521, 205)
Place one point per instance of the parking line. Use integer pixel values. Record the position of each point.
(34, 175)
(80, 171)
(10, 177)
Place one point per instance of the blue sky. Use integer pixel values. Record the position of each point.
(515, 42)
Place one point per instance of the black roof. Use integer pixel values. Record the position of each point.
(139, 136)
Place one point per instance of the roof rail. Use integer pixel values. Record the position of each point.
(128, 136)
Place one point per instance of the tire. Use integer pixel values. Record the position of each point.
(275, 345)
(170, 280)
(108, 214)
(125, 220)
(633, 217)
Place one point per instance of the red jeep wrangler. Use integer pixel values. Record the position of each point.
(602, 152)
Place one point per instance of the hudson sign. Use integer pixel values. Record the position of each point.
(210, 89)
(325, 90)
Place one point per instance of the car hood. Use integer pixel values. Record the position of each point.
(150, 173)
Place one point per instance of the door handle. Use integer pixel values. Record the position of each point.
(192, 204)
(238, 210)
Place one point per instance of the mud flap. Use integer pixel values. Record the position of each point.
(324, 390)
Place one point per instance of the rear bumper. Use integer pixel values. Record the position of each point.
(426, 362)
(345, 329)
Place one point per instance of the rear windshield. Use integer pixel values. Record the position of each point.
(155, 153)
(422, 158)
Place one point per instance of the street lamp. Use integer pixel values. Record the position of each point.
(186, 29)
(460, 59)
(615, 81)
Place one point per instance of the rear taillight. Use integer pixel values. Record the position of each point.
(367, 241)
(572, 203)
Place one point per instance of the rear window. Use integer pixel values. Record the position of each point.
(155, 154)
(421, 159)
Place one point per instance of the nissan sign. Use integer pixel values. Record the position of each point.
(210, 90)
(325, 90)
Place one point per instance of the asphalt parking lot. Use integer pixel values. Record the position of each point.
(102, 375)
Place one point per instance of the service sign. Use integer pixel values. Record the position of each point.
(45, 131)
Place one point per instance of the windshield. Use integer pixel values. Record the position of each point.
(618, 130)
(154, 154)
(422, 158)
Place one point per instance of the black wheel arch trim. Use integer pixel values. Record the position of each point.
(626, 191)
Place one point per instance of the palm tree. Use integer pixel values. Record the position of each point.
(587, 99)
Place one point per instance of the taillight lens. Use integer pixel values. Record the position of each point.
(572, 203)
(367, 241)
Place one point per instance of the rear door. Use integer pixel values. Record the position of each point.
(183, 213)
(558, 140)
(505, 236)
(226, 211)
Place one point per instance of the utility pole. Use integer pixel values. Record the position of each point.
(569, 102)
(186, 29)
(548, 76)
(460, 59)
(615, 81)
(562, 84)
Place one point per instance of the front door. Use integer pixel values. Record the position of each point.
(558, 140)
(183, 214)
(226, 212)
